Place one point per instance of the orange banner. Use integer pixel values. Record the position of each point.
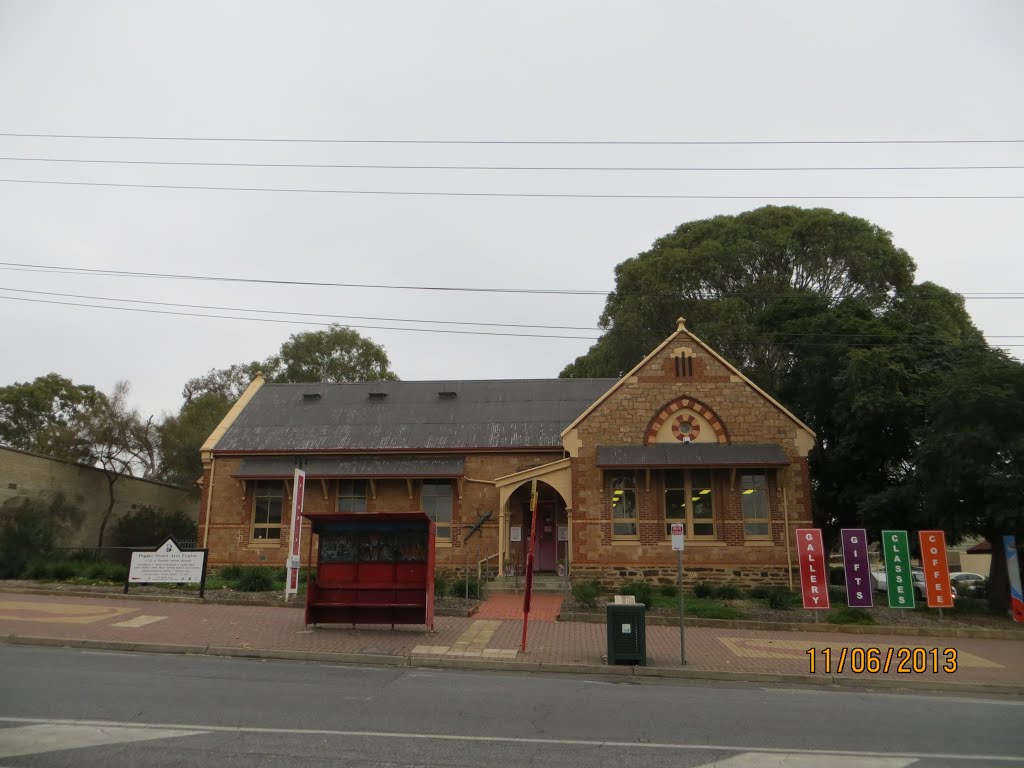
(936, 569)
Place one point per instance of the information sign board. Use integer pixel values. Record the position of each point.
(168, 564)
(857, 568)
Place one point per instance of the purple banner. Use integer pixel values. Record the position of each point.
(855, 563)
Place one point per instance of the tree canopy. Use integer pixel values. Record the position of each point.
(47, 416)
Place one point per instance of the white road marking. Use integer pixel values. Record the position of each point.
(140, 621)
(54, 736)
(800, 760)
(824, 757)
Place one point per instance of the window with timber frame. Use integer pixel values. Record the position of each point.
(625, 523)
(754, 503)
(437, 503)
(267, 503)
(352, 495)
(689, 499)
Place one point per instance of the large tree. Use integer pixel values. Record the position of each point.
(182, 435)
(729, 276)
(47, 416)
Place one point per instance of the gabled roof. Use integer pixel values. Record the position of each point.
(682, 331)
(409, 415)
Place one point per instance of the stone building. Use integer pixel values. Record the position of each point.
(684, 437)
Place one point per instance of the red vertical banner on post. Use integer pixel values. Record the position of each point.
(291, 585)
(529, 561)
(936, 568)
(813, 568)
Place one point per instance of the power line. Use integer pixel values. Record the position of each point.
(577, 195)
(60, 269)
(377, 166)
(766, 334)
(548, 142)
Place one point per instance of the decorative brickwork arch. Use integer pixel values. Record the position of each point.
(671, 411)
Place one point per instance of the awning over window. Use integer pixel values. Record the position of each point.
(689, 455)
(354, 466)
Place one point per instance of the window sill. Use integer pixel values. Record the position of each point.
(442, 544)
(264, 543)
(626, 542)
(759, 543)
(695, 543)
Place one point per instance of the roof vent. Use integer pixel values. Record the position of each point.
(447, 395)
(378, 395)
(311, 397)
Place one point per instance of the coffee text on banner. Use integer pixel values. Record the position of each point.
(813, 568)
(857, 568)
(899, 581)
(291, 585)
(936, 569)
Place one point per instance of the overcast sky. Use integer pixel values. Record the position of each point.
(467, 71)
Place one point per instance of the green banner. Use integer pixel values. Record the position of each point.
(899, 580)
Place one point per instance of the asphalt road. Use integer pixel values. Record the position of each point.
(62, 707)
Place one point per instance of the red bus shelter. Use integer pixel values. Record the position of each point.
(372, 569)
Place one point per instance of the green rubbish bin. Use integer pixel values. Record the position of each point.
(627, 634)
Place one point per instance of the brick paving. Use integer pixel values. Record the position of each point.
(267, 628)
(510, 606)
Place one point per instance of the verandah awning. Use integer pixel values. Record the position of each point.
(353, 466)
(663, 455)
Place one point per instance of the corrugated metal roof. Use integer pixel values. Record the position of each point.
(690, 455)
(413, 416)
(354, 466)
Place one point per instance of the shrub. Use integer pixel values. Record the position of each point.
(586, 593)
(31, 528)
(94, 570)
(116, 572)
(669, 590)
(442, 583)
(253, 578)
(229, 572)
(458, 587)
(846, 615)
(729, 592)
(703, 589)
(837, 595)
(780, 599)
(62, 570)
(150, 527)
(761, 591)
(641, 590)
(37, 569)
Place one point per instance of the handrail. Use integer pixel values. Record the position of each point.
(479, 565)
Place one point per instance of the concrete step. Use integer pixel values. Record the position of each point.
(548, 583)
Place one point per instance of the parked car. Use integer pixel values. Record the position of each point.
(881, 583)
(966, 582)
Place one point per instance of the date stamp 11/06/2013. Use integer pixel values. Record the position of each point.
(905, 660)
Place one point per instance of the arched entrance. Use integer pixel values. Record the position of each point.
(552, 544)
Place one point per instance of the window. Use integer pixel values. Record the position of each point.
(689, 499)
(754, 500)
(268, 500)
(624, 516)
(437, 503)
(351, 495)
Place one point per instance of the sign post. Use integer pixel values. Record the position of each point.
(291, 582)
(813, 573)
(678, 531)
(529, 561)
(936, 569)
(1013, 572)
(857, 568)
(899, 585)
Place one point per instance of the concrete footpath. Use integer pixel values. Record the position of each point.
(963, 664)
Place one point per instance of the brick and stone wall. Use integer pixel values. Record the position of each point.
(232, 509)
(640, 410)
(28, 475)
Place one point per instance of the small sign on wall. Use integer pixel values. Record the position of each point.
(563, 533)
(515, 533)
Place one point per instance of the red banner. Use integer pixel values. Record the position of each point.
(936, 569)
(813, 568)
